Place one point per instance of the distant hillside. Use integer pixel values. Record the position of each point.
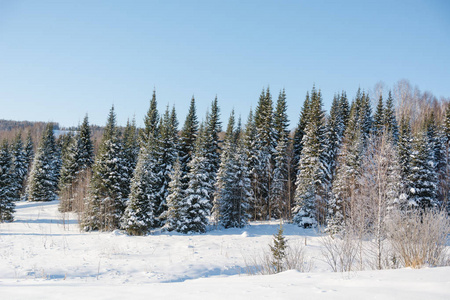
(10, 128)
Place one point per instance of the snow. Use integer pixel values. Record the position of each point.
(43, 255)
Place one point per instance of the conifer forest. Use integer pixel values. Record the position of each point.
(362, 187)
(364, 159)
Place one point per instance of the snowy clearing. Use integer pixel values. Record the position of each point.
(42, 257)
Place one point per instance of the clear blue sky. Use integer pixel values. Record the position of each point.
(62, 59)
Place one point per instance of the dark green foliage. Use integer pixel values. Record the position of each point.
(174, 199)
(19, 167)
(300, 131)
(404, 148)
(151, 121)
(168, 154)
(108, 189)
(77, 158)
(196, 207)
(262, 157)
(379, 117)
(422, 177)
(312, 188)
(280, 118)
(278, 250)
(138, 217)
(130, 152)
(85, 148)
(29, 150)
(42, 184)
(7, 205)
(390, 121)
(233, 188)
(188, 136)
(212, 154)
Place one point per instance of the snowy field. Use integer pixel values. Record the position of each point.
(43, 255)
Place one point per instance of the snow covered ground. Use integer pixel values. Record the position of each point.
(43, 255)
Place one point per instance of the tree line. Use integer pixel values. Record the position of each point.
(326, 173)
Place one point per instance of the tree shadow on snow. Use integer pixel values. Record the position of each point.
(236, 270)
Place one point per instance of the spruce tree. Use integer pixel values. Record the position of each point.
(130, 152)
(29, 150)
(29, 156)
(422, 177)
(278, 250)
(280, 119)
(151, 121)
(7, 205)
(390, 121)
(311, 186)
(344, 110)
(188, 137)
(138, 217)
(300, 131)
(85, 147)
(345, 182)
(335, 128)
(404, 151)
(174, 199)
(43, 180)
(168, 154)
(231, 202)
(106, 201)
(69, 171)
(77, 158)
(19, 166)
(279, 193)
(196, 207)
(379, 118)
(212, 130)
(263, 151)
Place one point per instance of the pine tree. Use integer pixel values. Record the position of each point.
(300, 132)
(264, 149)
(150, 122)
(365, 116)
(188, 137)
(43, 181)
(130, 152)
(311, 186)
(280, 119)
(196, 206)
(436, 139)
(29, 150)
(390, 121)
(168, 153)
(77, 158)
(29, 156)
(19, 167)
(69, 171)
(7, 205)
(69, 155)
(344, 110)
(138, 217)
(106, 201)
(379, 117)
(233, 195)
(345, 184)
(422, 177)
(278, 250)
(404, 151)
(85, 148)
(212, 130)
(174, 199)
(279, 185)
(334, 134)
